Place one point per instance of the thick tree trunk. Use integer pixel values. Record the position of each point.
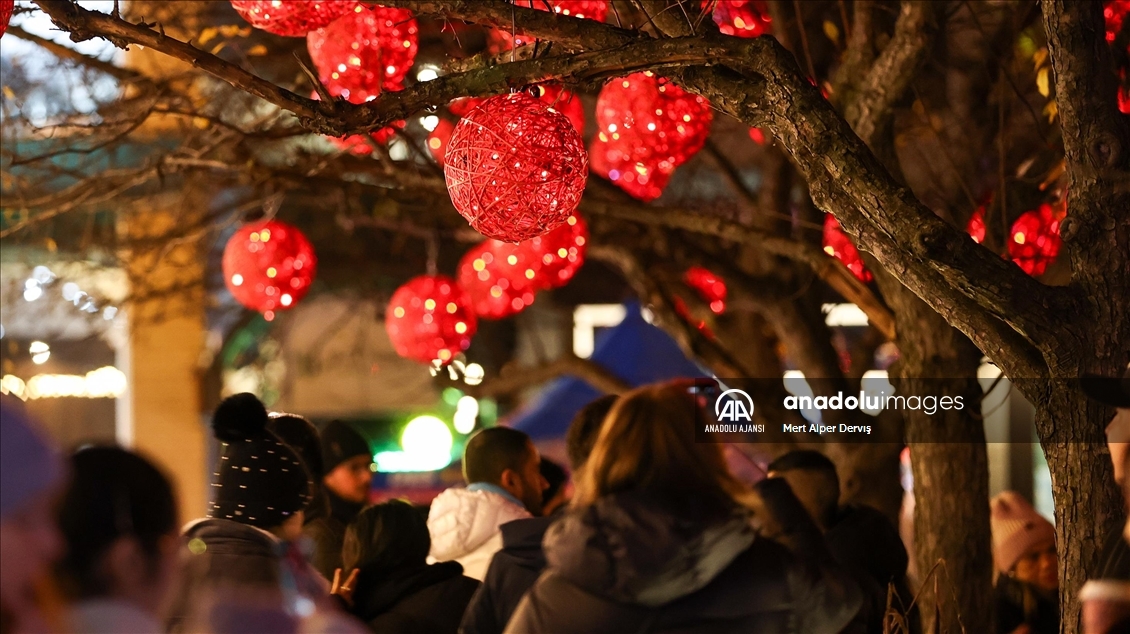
(950, 467)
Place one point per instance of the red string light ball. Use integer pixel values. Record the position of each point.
(268, 266)
(499, 40)
(291, 18)
(838, 245)
(976, 226)
(500, 279)
(740, 18)
(429, 318)
(560, 252)
(515, 168)
(709, 287)
(553, 95)
(1034, 239)
(6, 8)
(368, 50)
(647, 127)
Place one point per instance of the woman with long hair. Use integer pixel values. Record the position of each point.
(660, 537)
(395, 589)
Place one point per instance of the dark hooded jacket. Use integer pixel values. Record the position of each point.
(512, 572)
(627, 565)
(416, 599)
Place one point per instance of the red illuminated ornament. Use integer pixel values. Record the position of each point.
(1114, 14)
(757, 136)
(839, 246)
(976, 226)
(268, 266)
(647, 127)
(6, 8)
(1034, 239)
(500, 279)
(740, 18)
(499, 40)
(369, 50)
(515, 168)
(291, 18)
(560, 252)
(429, 318)
(553, 95)
(709, 287)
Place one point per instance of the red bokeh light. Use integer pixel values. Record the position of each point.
(268, 266)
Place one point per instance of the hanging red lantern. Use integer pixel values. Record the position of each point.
(292, 18)
(839, 246)
(648, 127)
(499, 40)
(740, 18)
(268, 266)
(976, 226)
(6, 8)
(429, 318)
(515, 168)
(500, 279)
(709, 287)
(368, 50)
(1034, 239)
(560, 252)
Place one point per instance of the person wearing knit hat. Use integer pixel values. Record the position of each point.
(32, 475)
(345, 481)
(261, 488)
(1027, 589)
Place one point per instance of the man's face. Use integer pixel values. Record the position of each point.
(351, 479)
(1118, 441)
(527, 483)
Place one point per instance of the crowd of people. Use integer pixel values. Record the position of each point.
(646, 531)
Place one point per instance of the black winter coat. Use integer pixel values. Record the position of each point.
(1019, 604)
(512, 572)
(421, 599)
(326, 530)
(626, 565)
(222, 555)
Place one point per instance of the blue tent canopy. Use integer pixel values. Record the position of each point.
(634, 350)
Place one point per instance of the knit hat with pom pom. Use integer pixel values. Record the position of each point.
(259, 480)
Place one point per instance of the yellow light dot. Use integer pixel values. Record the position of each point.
(254, 237)
(495, 292)
(444, 354)
(451, 307)
(687, 118)
(829, 250)
(434, 143)
(430, 304)
(1019, 238)
(271, 272)
(478, 264)
(529, 274)
(511, 259)
(398, 312)
(572, 220)
(562, 253)
(236, 280)
(265, 235)
(460, 327)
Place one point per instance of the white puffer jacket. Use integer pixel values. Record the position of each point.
(464, 527)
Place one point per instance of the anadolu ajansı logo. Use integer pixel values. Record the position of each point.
(738, 407)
